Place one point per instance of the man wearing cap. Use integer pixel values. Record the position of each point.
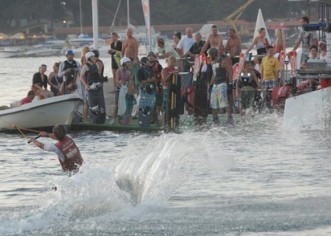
(91, 78)
(270, 68)
(69, 70)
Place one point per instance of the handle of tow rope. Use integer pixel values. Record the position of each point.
(34, 138)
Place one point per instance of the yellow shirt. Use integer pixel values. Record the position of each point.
(269, 67)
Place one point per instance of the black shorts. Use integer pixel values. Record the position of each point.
(114, 65)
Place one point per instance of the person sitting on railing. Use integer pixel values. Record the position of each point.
(28, 98)
(40, 82)
(308, 84)
(260, 42)
(324, 54)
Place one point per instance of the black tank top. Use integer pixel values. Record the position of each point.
(221, 74)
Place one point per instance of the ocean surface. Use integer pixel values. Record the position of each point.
(259, 179)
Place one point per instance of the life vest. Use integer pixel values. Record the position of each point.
(71, 153)
(92, 75)
(221, 75)
(103, 67)
(71, 75)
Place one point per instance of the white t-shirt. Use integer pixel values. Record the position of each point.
(51, 147)
(185, 44)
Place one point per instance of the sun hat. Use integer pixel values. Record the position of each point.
(124, 60)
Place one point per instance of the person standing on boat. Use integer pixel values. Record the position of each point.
(279, 41)
(115, 52)
(233, 46)
(156, 70)
(197, 46)
(214, 40)
(147, 88)
(100, 64)
(85, 50)
(183, 49)
(40, 82)
(167, 74)
(245, 89)
(186, 43)
(307, 39)
(260, 42)
(54, 80)
(176, 37)
(69, 70)
(66, 149)
(130, 50)
(91, 78)
(123, 78)
(222, 75)
(270, 68)
(164, 51)
(130, 47)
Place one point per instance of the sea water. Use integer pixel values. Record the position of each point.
(258, 179)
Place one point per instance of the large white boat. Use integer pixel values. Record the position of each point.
(309, 111)
(40, 114)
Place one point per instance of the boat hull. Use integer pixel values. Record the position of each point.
(310, 111)
(40, 114)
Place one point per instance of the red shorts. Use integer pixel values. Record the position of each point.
(325, 83)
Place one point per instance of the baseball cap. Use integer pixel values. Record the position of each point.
(89, 54)
(124, 60)
(70, 52)
(151, 54)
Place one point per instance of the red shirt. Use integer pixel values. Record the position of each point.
(26, 100)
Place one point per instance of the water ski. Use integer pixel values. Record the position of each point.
(172, 105)
(201, 108)
(125, 104)
(146, 105)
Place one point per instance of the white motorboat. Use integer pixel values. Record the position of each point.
(309, 111)
(41, 51)
(7, 52)
(40, 114)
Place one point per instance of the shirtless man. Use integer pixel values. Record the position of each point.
(130, 47)
(214, 40)
(233, 46)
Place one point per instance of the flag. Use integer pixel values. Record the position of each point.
(147, 17)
